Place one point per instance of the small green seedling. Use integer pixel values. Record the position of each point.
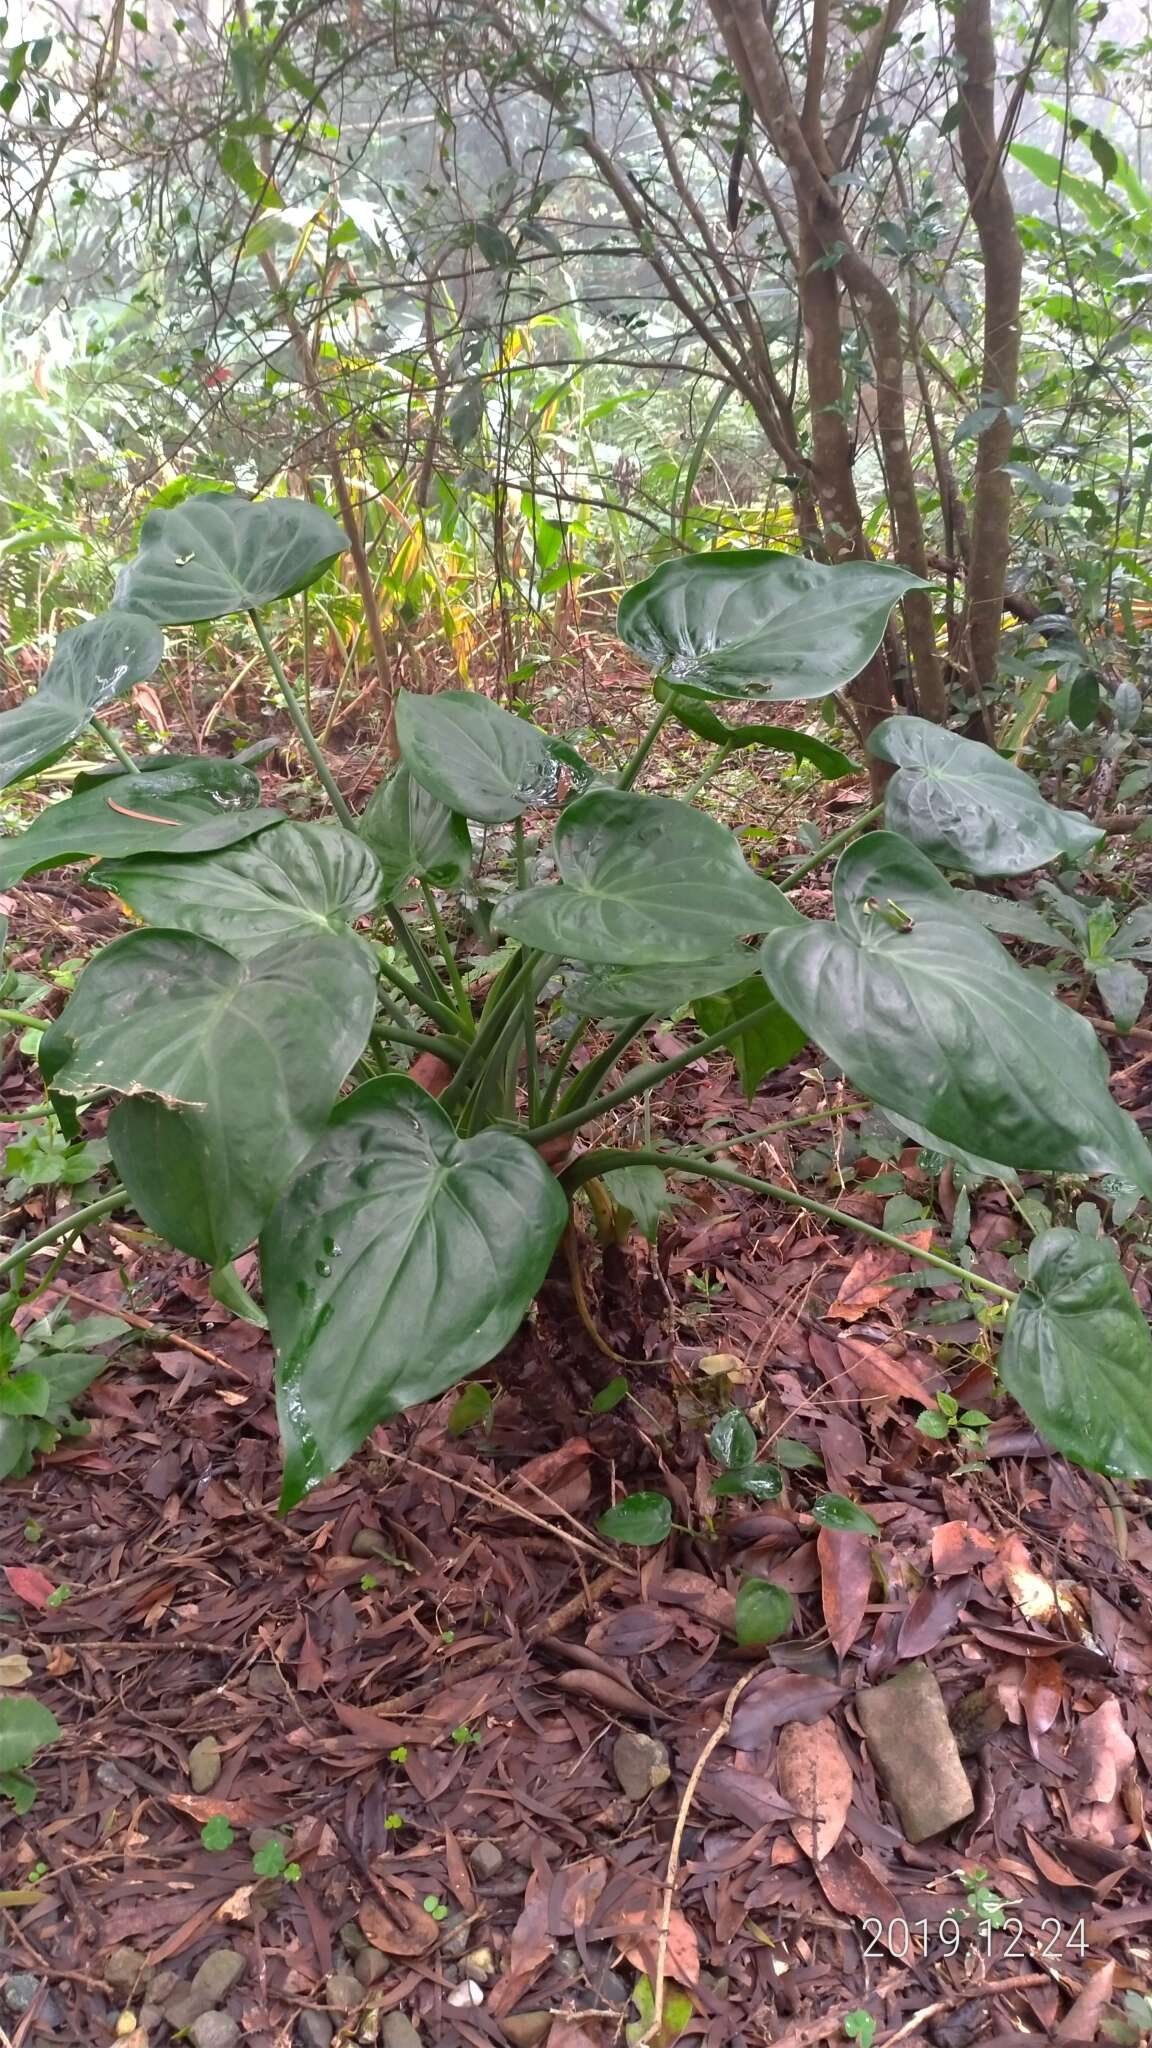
(984, 1905)
(860, 2026)
(463, 1734)
(217, 1834)
(269, 1860)
(732, 1442)
(949, 1420)
(435, 1908)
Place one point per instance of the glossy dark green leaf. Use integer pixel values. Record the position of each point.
(1123, 990)
(401, 1259)
(609, 1397)
(764, 1612)
(291, 880)
(760, 624)
(925, 1012)
(732, 1439)
(793, 1455)
(230, 1069)
(642, 1192)
(25, 1728)
(478, 759)
(219, 553)
(640, 1518)
(232, 782)
(621, 992)
(1077, 1355)
(643, 880)
(835, 1511)
(91, 666)
(473, 1409)
(762, 1482)
(966, 807)
(414, 835)
(693, 713)
(758, 1047)
(127, 814)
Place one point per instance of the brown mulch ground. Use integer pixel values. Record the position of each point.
(418, 1683)
(436, 1656)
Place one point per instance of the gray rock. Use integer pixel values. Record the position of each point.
(218, 1973)
(259, 1838)
(126, 1971)
(162, 1985)
(20, 1989)
(370, 1543)
(905, 1725)
(313, 2030)
(455, 1934)
(526, 2029)
(343, 1990)
(212, 1983)
(148, 2018)
(370, 1965)
(214, 2030)
(640, 1763)
(204, 1763)
(111, 1778)
(397, 2031)
(486, 1860)
(352, 1938)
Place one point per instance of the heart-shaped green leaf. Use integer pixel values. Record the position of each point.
(693, 713)
(763, 1482)
(25, 1728)
(764, 1612)
(219, 553)
(760, 624)
(401, 1259)
(925, 1011)
(122, 814)
(758, 1047)
(90, 666)
(1077, 1355)
(621, 992)
(292, 880)
(836, 1511)
(732, 1439)
(640, 1518)
(231, 1068)
(643, 880)
(413, 834)
(1123, 990)
(966, 807)
(478, 759)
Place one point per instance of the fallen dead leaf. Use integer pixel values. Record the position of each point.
(816, 1778)
(400, 1928)
(1082, 2020)
(958, 1547)
(15, 1670)
(870, 1280)
(637, 1932)
(851, 1884)
(29, 1584)
(845, 1557)
(1101, 1752)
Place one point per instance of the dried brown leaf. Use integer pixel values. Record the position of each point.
(815, 1777)
(845, 1582)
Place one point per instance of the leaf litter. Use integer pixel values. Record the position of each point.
(417, 1683)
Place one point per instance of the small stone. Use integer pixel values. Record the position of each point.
(526, 2029)
(161, 1987)
(370, 1965)
(214, 2030)
(204, 1763)
(218, 1973)
(313, 2030)
(640, 1763)
(344, 1991)
(455, 1934)
(905, 1725)
(486, 1860)
(369, 1543)
(259, 1838)
(111, 1778)
(150, 2017)
(352, 1938)
(397, 2031)
(480, 1965)
(266, 1681)
(126, 1971)
(466, 1994)
(19, 1990)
